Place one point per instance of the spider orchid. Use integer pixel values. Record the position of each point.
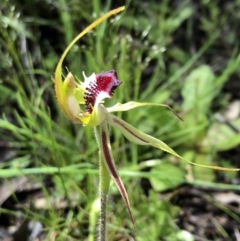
(83, 103)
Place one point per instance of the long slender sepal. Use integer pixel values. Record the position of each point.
(133, 104)
(140, 138)
(58, 74)
(110, 164)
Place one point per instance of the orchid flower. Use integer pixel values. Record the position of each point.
(84, 103)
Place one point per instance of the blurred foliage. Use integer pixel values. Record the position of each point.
(182, 53)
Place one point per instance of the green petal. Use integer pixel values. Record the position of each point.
(95, 118)
(79, 94)
(140, 138)
(132, 104)
(69, 104)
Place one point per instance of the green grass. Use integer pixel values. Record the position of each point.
(158, 51)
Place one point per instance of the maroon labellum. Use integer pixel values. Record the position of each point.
(102, 86)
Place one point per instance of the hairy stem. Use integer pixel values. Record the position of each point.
(104, 182)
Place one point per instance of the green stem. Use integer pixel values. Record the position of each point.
(104, 183)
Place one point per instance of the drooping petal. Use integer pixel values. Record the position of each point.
(110, 164)
(133, 104)
(140, 138)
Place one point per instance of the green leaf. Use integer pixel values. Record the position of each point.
(198, 90)
(170, 177)
(195, 127)
(181, 235)
(178, 54)
(222, 137)
(172, 24)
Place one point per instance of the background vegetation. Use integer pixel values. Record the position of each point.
(182, 53)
